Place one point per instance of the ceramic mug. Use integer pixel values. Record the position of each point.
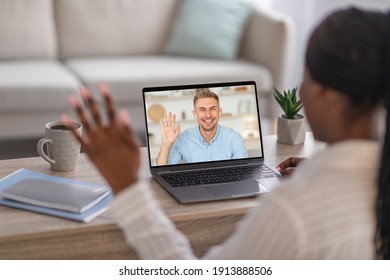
(63, 149)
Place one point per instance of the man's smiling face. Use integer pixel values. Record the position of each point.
(207, 113)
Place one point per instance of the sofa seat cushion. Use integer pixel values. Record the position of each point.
(28, 86)
(127, 76)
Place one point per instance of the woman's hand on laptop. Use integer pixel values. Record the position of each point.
(288, 166)
(113, 149)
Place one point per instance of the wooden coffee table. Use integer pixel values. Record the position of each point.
(28, 235)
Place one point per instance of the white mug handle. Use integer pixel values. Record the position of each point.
(41, 152)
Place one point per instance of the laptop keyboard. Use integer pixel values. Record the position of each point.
(218, 175)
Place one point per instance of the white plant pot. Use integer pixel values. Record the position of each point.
(291, 131)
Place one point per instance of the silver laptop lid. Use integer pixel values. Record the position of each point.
(237, 119)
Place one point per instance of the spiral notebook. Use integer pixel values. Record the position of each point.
(53, 195)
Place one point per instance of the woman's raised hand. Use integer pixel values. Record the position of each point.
(114, 148)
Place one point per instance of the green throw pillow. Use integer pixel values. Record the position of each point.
(209, 28)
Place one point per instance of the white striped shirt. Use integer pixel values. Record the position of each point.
(324, 211)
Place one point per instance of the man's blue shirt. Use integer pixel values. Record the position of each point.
(191, 147)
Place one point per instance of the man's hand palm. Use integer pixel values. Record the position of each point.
(169, 135)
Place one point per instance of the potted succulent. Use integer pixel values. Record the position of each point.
(291, 125)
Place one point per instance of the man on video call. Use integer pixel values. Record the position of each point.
(206, 142)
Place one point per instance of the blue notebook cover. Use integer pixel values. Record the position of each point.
(23, 174)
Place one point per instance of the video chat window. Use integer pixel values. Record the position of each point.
(238, 111)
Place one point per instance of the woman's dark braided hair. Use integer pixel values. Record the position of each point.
(350, 52)
(382, 239)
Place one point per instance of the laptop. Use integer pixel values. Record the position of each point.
(196, 167)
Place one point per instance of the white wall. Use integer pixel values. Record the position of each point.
(308, 13)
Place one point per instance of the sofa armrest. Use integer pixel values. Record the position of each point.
(270, 40)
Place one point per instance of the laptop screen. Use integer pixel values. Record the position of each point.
(202, 123)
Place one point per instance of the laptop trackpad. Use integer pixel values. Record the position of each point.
(233, 189)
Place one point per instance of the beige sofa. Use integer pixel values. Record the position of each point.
(48, 48)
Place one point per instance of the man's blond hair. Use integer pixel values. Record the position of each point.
(205, 93)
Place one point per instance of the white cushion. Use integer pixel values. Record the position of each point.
(127, 76)
(27, 29)
(113, 27)
(30, 86)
